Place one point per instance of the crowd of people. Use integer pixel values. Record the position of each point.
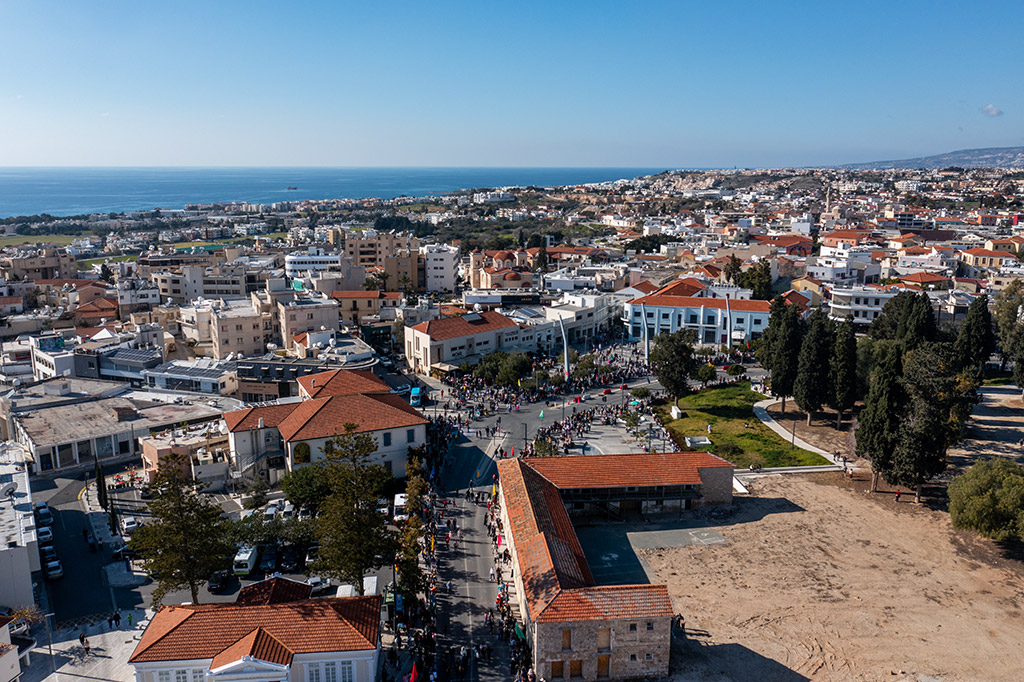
(561, 435)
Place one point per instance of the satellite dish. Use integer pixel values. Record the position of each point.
(9, 489)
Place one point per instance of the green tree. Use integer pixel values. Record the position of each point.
(106, 274)
(101, 485)
(989, 499)
(1018, 368)
(411, 581)
(641, 393)
(672, 362)
(1008, 312)
(907, 318)
(976, 341)
(705, 374)
(781, 349)
(732, 268)
(879, 422)
(543, 448)
(256, 492)
(758, 279)
(186, 539)
(812, 388)
(354, 536)
(307, 486)
(405, 284)
(540, 262)
(844, 370)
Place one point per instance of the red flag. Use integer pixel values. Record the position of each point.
(414, 675)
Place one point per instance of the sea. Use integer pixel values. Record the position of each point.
(68, 191)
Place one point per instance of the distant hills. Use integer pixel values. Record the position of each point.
(993, 157)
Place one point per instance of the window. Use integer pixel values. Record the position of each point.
(313, 672)
(180, 676)
(557, 669)
(693, 318)
(632, 657)
(650, 626)
(632, 627)
(346, 672)
(566, 640)
(330, 672)
(197, 675)
(649, 657)
(604, 639)
(163, 676)
(410, 436)
(387, 439)
(576, 668)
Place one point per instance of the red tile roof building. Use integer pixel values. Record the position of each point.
(330, 401)
(264, 640)
(572, 623)
(452, 341)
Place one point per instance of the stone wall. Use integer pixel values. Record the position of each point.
(633, 650)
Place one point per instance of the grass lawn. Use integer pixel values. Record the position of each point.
(727, 409)
(18, 239)
(87, 264)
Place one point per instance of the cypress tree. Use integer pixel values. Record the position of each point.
(101, 485)
(812, 387)
(844, 370)
(917, 325)
(976, 340)
(879, 423)
(782, 348)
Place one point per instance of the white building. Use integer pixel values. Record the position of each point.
(440, 265)
(19, 554)
(716, 320)
(452, 341)
(302, 263)
(863, 304)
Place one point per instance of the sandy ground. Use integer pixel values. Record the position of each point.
(822, 432)
(824, 581)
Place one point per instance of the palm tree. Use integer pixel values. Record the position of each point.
(405, 284)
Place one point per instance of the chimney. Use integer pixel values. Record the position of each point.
(260, 423)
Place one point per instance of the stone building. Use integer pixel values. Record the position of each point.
(576, 628)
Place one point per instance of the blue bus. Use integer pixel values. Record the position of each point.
(414, 397)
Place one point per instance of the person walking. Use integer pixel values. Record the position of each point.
(491, 577)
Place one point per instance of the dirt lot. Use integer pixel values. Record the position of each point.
(822, 432)
(824, 581)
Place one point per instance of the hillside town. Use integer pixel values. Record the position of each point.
(498, 358)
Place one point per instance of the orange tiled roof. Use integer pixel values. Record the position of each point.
(249, 417)
(258, 644)
(616, 471)
(464, 325)
(276, 590)
(687, 286)
(342, 382)
(924, 278)
(986, 252)
(326, 417)
(200, 631)
(608, 602)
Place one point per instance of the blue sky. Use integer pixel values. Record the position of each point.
(672, 84)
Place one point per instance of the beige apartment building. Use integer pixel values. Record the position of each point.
(39, 264)
(368, 248)
(405, 271)
(305, 314)
(242, 330)
(353, 306)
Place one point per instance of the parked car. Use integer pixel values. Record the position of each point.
(44, 516)
(270, 513)
(47, 553)
(44, 534)
(129, 524)
(16, 627)
(305, 512)
(289, 559)
(288, 511)
(319, 584)
(218, 582)
(268, 559)
(606, 391)
(53, 569)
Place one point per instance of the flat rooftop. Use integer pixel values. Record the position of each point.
(58, 424)
(17, 522)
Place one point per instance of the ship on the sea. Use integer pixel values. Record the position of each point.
(290, 187)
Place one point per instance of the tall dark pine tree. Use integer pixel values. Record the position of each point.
(782, 348)
(672, 362)
(976, 340)
(813, 385)
(844, 370)
(879, 423)
(917, 325)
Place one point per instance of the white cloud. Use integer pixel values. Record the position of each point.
(991, 110)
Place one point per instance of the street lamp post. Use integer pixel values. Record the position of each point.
(49, 640)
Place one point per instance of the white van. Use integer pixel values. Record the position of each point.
(400, 514)
(245, 560)
(270, 513)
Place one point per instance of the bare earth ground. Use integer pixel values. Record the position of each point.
(822, 432)
(846, 585)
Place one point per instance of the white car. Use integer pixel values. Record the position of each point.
(44, 534)
(129, 525)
